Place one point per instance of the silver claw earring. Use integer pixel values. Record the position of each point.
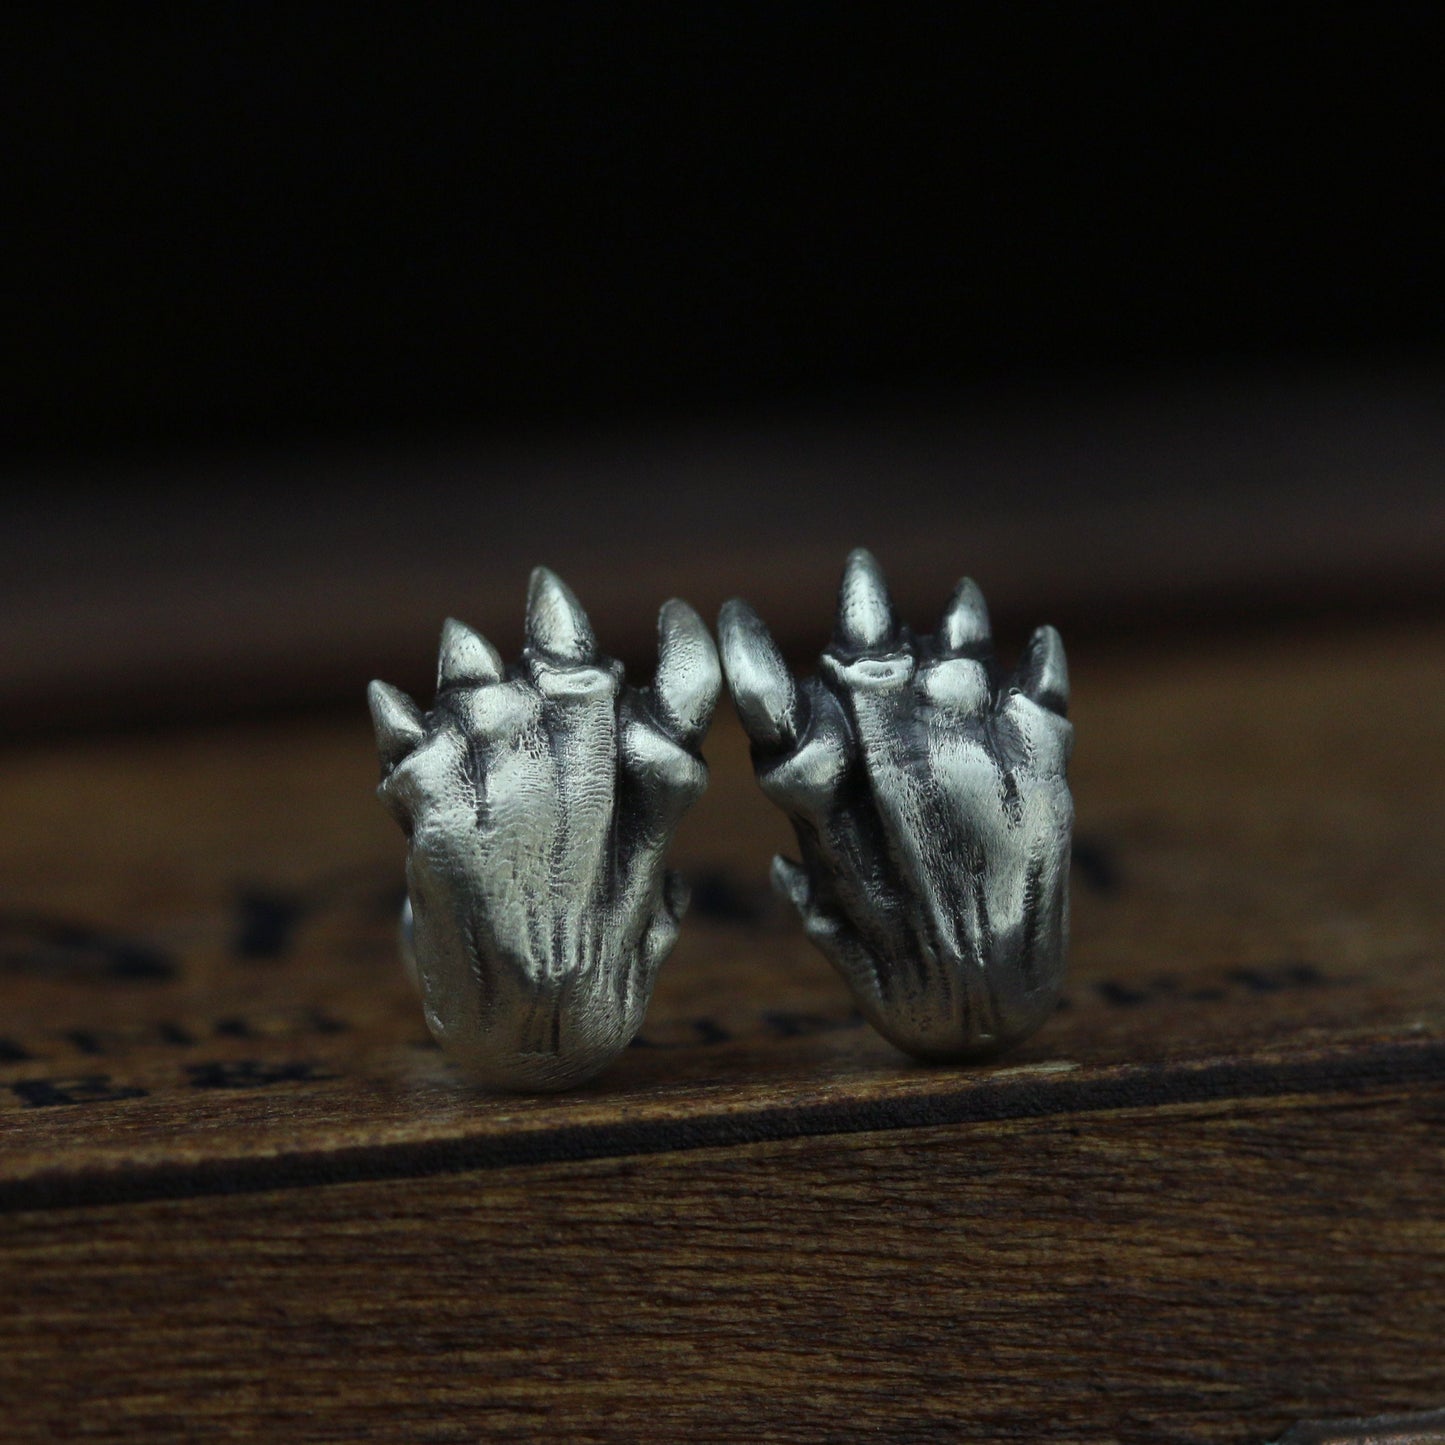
(538, 802)
(930, 799)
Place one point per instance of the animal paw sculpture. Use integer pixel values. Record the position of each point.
(929, 796)
(538, 802)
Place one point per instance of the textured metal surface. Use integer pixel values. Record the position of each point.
(930, 800)
(538, 801)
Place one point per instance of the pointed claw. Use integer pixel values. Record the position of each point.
(406, 938)
(790, 880)
(762, 688)
(1043, 673)
(557, 626)
(658, 939)
(865, 612)
(676, 893)
(965, 624)
(397, 720)
(688, 675)
(466, 658)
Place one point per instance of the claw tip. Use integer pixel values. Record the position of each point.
(865, 611)
(965, 620)
(1044, 671)
(556, 624)
(465, 658)
(790, 880)
(688, 672)
(396, 719)
(762, 688)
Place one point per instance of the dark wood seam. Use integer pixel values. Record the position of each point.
(1377, 1066)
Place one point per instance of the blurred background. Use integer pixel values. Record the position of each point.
(323, 323)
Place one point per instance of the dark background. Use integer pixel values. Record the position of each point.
(321, 323)
(241, 225)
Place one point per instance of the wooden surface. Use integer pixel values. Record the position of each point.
(242, 1197)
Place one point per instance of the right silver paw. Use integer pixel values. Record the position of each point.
(930, 799)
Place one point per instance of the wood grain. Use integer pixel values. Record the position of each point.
(1180, 1273)
(241, 1196)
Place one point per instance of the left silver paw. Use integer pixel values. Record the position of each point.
(929, 796)
(538, 802)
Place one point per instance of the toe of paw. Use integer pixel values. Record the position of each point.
(807, 779)
(1046, 736)
(957, 685)
(805, 782)
(498, 711)
(652, 758)
(433, 780)
(657, 942)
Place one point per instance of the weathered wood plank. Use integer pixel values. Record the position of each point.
(1191, 1272)
(1260, 874)
(1202, 1204)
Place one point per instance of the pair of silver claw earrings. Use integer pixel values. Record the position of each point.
(928, 790)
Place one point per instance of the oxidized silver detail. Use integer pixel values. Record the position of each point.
(538, 801)
(930, 799)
